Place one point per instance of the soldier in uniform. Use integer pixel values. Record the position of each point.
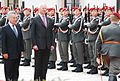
(108, 46)
(63, 39)
(93, 31)
(77, 37)
(26, 30)
(53, 55)
(106, 21)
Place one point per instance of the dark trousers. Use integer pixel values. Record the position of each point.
(11, 69)
(41, 63)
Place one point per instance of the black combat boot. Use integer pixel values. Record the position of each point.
(112, 78)
(74, 65)
(94, 70)
(64, 67)
(106, 73)
(79, 68)
(51, 65)
(60, 64)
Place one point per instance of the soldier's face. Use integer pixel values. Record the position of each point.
(51, 13)
(26, 12)
(77, 12)
(108, 12)
(13, 19)
(65, 13)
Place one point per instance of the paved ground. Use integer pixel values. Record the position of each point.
(27, 73)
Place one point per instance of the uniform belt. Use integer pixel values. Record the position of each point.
(110, 42)
(61, 30)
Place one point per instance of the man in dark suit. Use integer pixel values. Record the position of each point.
(41, 31)
(12, 47)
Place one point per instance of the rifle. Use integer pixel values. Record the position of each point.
(70, 15)
(33, 11)
(88, 13)
(56, 15)
(103, 13)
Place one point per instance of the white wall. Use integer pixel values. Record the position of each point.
(98, 2)
(50, 3)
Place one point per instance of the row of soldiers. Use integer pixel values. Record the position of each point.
(73, 27)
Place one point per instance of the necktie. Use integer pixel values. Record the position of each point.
(44, 21)
(15, 31)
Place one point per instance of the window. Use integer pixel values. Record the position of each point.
(72, 3)
(12, 3)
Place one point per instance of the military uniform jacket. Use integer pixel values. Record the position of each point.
(109, 33)
(26, 29)
(93, 29)
(106, 21)
(77, 34)
(3, 20)
(63, 31)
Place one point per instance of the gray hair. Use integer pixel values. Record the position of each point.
(10, 13)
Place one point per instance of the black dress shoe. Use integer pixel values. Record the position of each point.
(94, 70)
(106, 73)
(112, 78)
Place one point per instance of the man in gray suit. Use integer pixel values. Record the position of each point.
(26, 30)
(77, 38)
(108, 46)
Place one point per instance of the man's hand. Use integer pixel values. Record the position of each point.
(35, 47)
(52, 48)
(5, 56)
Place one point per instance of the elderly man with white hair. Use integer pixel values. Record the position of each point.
(12, 47)
(42, 40)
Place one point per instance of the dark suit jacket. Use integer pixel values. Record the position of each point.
(10, 43)
(41, 35)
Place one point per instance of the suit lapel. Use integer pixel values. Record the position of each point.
(39, 19)
(11, 31)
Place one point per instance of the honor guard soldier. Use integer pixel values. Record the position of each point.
(77, 37)
(106, 21)
(108, 46)
(63, 39)
(93, 31)
(108, 12)
(53, 55)
(26, 30)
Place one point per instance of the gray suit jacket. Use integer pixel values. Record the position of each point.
(109, 33)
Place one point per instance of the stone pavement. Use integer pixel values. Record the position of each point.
(27, 73)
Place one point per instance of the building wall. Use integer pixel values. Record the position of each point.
(36, 3)
(98, 3)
